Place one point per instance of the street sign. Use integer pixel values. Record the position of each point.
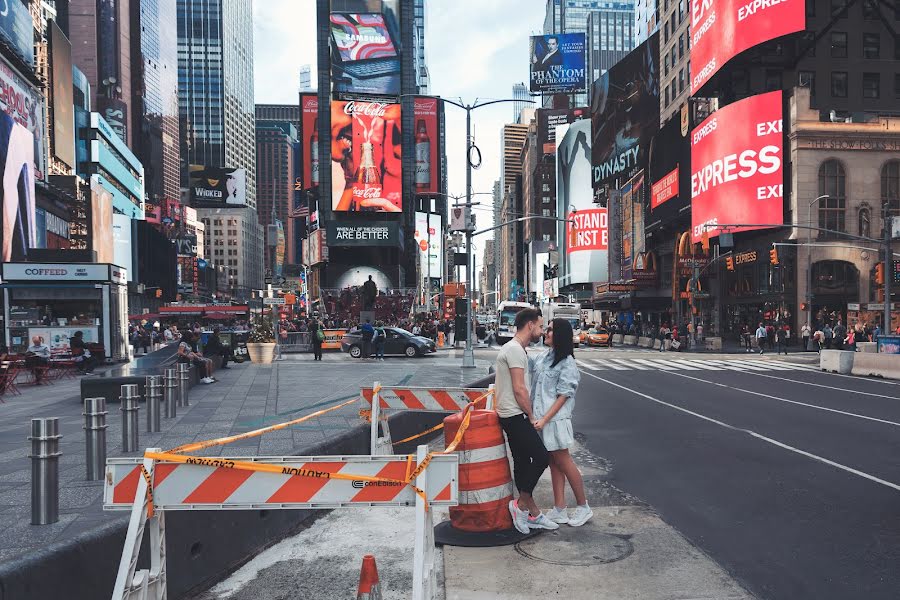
(273, 301)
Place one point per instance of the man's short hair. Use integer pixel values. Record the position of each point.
(554, 38)
(526, 316)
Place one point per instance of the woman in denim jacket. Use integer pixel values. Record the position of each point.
(554, 382)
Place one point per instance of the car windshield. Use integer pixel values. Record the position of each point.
(575, 323)
(401, 331)
(593, 331)
(508, 316)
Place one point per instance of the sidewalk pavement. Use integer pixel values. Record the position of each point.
(246, 397)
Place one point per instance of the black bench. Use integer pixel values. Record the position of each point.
(109, 383)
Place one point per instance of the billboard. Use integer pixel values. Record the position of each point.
(585, 243)
(631, 207)
(549, 119)
(365, 57)
(669, 175)
(63, 104)
(122, 246)
(722, 29)
(364, 233)
(557, 63)
(430, 242)
(17, 30)
(625, 112)
(100, 222)
(365, 161)
(17, 160)
(428, 148)
(217, 186)
(736, 166)
(25, 105)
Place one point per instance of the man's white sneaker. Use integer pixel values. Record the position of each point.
(580, 516)
(558, 515)
(519, 517)
(541, 522)
(207, 380)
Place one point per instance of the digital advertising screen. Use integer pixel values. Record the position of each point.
(428, 148)
(365, 55)
(737, 166)
(585, 242)
(17, 153)
(548, 119)
(25, 104)
(557, 63)
(366, 174)
(217, 186)
(306, 159)
(430, 242)
(625, 112)
(722, 29)
(63, 110)
(669, 174)
(100, 231)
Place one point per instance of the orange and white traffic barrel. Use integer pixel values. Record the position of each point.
(485, 482)
(369, 585)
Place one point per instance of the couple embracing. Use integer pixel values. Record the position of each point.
(535, 399)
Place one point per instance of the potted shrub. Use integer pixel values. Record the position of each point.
(261, 341)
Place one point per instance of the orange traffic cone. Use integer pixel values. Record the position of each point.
(440, 339)
(369, 587)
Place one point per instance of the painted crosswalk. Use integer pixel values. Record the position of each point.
(645, 364)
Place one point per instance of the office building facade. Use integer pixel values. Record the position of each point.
(276, 142)
(609, 38)
(675, 58)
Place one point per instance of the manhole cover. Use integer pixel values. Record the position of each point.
(581, 547)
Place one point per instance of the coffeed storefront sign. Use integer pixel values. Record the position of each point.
(64, 272)
(371, 233)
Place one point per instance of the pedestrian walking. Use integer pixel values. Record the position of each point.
(663, 336)
(745, 336)
(761, 338)
(770, 336)
(554, 383)
(781, 339)
(804, 335)
(819, 340)
(378, 341)
(828, 333)
(850, 341)
(530, 458)
(317, 337)
(367, 333)
(840, 334)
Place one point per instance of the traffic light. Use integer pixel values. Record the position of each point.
(159, 292)
(729, 263)
(704, 241)
(879, 273)
(449, 308)
(773, 256)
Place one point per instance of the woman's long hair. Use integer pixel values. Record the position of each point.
(563, 342)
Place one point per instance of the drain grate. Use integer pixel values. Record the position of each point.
(571, 547)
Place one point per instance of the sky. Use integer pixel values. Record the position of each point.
(475, 49)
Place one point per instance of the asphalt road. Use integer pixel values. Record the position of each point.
(789, 479)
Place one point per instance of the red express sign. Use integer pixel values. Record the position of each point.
(736, 166)
(722, 29)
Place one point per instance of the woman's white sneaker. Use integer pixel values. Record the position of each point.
(558, 515)
(541, 522)
(580, 516)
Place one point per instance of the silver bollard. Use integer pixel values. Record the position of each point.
(44, 470)
(170, 393)
(130, 399)
(95, 437)
(152, 399)
(184, 383)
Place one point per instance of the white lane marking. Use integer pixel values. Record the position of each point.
(679, 364)
(630, 364)
(725, 364)
(653, 363)
(794, 366)
(830, 387)
(747, 365)
(584, 365)
(607, 364)
(823, 408)
(706, 365)
(758, 436)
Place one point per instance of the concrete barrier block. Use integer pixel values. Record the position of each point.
(629, 340)
(713, 343)
(837, 361)
(656, 344)
(645, 342)
(618, 338)
(876, 365)
(871, 347)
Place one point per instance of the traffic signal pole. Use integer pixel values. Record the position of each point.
(888, 268)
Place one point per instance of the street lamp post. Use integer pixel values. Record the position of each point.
(809, 294)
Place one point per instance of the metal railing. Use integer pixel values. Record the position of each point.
(295, 341)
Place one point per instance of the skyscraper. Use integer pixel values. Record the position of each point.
(519, 92)
(216, 111)
(276, 142)
(610, 37)
(646, 19)
(675, 53)
(421, 66)
(305, 78)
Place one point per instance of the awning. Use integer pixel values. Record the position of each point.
(218, 316)
(147, 316)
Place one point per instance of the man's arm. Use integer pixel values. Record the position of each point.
(520, 390)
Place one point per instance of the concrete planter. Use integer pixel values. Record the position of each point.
(630, 340)
(617, 339)
(837, 361)
(713, 343)
(261, 353)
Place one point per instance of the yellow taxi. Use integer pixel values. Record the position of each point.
(598, 336)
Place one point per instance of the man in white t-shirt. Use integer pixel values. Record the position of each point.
(530, 457)
(761, 336)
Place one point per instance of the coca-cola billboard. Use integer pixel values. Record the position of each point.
(366, 166)
(427, 137)
(737, 167)
(722, 29)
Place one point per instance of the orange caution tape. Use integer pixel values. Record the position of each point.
(437, 427)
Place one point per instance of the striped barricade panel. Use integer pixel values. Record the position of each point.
(306, 482)
(427, 399)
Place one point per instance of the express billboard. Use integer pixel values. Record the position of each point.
(625, 112)
(63, 109)
(722, 29)
(428, 165)
(548, 119)
(366, 167)
(217, 186)
(585, 243)
(365, 57)
(557, 63)
(669, 174)
(737, 166)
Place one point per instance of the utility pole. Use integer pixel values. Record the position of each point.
(888, 266)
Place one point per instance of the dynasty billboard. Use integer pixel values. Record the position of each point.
(548, 119)
(736, 166)
(625, 111)
(722, 29)
(365, 157)
(428, 155)
(669, 173)
(215, 187)
(557, 63)
(364, 50)
(586, 241)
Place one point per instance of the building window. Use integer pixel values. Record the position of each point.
(681, 46)
(839, 44)
(546, 237)
(546, 212)
(871, 85)
(666, 64)
(808, 79)
(839, 84)
(890, 185)
(810, 8)
(837, 6)
(667, 96)
(832, 182)
(546, 199)
(773, 80)
(871, 45)
(545, 187)
(681, 81)
(870, 10)
(667, 32)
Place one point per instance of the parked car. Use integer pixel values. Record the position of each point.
(399, 341)
(599, 336)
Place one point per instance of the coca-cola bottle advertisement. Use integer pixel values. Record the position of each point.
(366, 157)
